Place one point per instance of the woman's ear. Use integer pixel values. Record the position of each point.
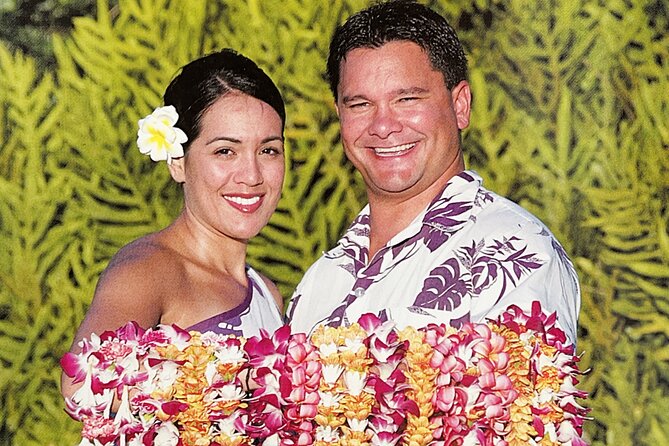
(177, 169)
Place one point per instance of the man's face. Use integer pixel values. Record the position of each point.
(399, 123)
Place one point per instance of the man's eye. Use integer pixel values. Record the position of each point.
(358, 104)
(408, 99)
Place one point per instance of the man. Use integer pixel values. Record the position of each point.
(432, 246)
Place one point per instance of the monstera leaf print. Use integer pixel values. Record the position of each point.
(444, 288)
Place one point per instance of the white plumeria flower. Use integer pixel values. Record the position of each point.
(230, 355)
(210, 372)
(124, 413)
(545, 361)
(231, 392)
(84, 396)
(158, 137)
(137, 440)
(354, 345)
(327, 434)
(473, 393)
(549, 430)
(168, 435)
(331, 373)
(470, 439)
(355, 381)
(357, 425)
(272, 440)
(327, 349)
(328, 399)
(167, 374)
(226, 426)
(129, 363)
(543, 397)
(566, 432)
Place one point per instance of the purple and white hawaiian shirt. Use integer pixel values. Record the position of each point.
(468, 257)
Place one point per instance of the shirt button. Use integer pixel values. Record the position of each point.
(359, 292)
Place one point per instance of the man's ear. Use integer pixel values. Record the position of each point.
(462, 101)
(177, 169)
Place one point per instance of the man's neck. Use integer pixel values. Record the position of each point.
(390, 215)
(388, 221)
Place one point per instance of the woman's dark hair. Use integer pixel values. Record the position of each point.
(203, 81)
(399, 20)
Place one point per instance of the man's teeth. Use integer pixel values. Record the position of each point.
(243, 201)
(395, 149)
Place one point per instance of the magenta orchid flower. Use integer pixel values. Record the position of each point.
(163, 381)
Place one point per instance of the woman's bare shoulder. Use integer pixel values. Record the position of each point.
(145, 249)
(147, 255)
(145, 267)
(133, 287)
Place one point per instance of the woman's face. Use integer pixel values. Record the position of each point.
(233, 171)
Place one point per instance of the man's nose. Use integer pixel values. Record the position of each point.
(384, 122)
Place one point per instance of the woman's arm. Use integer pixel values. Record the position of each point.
(129, 289)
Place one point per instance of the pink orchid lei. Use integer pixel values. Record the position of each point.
(508, 382)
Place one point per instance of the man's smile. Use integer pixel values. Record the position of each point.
(394, 150)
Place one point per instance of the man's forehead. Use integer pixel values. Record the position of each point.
(395, 66)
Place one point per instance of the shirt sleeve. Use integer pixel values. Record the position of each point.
(554, 285)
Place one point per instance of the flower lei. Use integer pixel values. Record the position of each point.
(511, 381)
(158, 137)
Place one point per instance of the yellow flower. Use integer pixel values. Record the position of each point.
(324, 335)
(520, 427)
(225, 440)
(420, 375)
(421, 378)
(357, 407)
(354, 438)
(158, 137)
(418, 431)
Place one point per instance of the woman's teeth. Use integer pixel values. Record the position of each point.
(243, 201)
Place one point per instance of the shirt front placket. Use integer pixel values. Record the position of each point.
(380, 265)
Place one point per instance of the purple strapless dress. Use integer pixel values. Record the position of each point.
(257, 310)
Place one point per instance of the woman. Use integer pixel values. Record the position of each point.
(193, 273)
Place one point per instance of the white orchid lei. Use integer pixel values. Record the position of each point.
(158, 137)
(507, 382)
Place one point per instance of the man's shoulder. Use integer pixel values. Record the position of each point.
(321, 268)
(495, 209)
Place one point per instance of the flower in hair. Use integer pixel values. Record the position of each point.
(158, 137)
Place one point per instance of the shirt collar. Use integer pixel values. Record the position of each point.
(463, 187)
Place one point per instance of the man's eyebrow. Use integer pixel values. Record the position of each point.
(412, 90)
(237, 141)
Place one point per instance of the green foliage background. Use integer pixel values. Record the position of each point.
(570, 119)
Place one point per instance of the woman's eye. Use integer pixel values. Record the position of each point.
(271, 151)
(223, 151)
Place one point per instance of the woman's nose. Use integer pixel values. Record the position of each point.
(249, 172)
